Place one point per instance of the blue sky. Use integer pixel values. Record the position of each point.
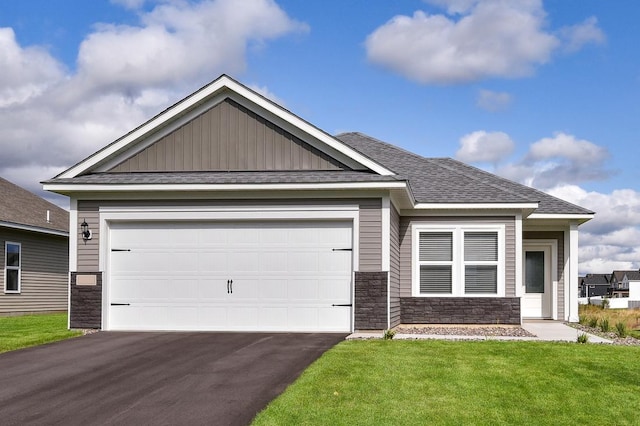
(545, 93)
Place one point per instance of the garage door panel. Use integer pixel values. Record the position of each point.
(210, 261)
(273, 289)
(273, 261)
(285, 276)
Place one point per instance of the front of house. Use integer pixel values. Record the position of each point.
(228, 212)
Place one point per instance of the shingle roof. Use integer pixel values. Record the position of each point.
(259, 177)
(632, 275)
(596, 279)
(20, 207)
(444, 180)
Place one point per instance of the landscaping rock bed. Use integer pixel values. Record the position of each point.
(489, 331)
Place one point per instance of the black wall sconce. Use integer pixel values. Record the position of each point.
(86, 232)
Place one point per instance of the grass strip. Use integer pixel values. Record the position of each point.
(18, 332)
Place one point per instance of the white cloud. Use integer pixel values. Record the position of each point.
(180, 41)
(26, 72)
(577, 36)
(264, 91)
(493, 101)
(477, 39)
(129, 4)
(561, 159)
(51, 118)
(610, 240)
(484, 147)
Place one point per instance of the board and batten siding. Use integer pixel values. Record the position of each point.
(559, 237)
(228, 137)
(394, 266)
(406, 246)
(44, 272)
(370, 229)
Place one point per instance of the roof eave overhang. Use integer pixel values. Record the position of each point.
(224, 83)
(580, 218)
(32, 228)
(525, 208)
(65, 189)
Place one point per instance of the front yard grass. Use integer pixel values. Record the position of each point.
(454, 383)
(18, 332)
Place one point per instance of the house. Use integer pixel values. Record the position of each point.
(621, 281)
(594, 285)
(228, 212)
(34, 252)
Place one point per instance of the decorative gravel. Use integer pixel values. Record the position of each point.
(490, 331)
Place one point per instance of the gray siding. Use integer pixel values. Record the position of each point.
(394, 272)
(370, 228)
(371, 235)
(44, 272)
(406, 255)
(88, 251)
(558, 236)
(228, 137)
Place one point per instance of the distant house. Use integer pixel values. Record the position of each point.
(620, 281)
(34, 252)
(594, 285)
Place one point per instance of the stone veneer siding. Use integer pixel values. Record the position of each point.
(86, 302)
(371, 300)
(460, 310)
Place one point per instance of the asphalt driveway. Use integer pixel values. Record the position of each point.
(153, 378)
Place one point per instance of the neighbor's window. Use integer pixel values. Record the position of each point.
(458, 261)
(12, 267)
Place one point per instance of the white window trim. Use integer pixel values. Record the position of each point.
(458, 263)
(13, 268)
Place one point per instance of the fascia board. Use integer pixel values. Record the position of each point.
(220, 84)
(146, 128)
(475, 206)
(310, 129)
(581, 218)
(33, 229)
(76, 188)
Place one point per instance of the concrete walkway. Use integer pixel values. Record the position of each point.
(552, 331)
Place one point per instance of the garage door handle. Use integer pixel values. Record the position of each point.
(121, 304)
(229, 286)
(341, 249)
(342, 304)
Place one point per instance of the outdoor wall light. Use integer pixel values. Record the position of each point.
(86, 232)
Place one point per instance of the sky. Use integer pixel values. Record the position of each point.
(546, 93)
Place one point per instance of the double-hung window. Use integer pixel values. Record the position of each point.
(12, 255)
(458, 260)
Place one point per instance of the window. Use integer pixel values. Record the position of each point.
(12, 267)
(458, 260)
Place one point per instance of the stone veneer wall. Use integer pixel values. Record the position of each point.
(86, 302)
(371, 300)
(460, 310)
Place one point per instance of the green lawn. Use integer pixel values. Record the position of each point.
(463, 383)
(29, 330)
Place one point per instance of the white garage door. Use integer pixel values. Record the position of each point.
(236, 276)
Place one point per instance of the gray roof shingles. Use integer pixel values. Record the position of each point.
(444, 180)
(21, 207)
(432, 180)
